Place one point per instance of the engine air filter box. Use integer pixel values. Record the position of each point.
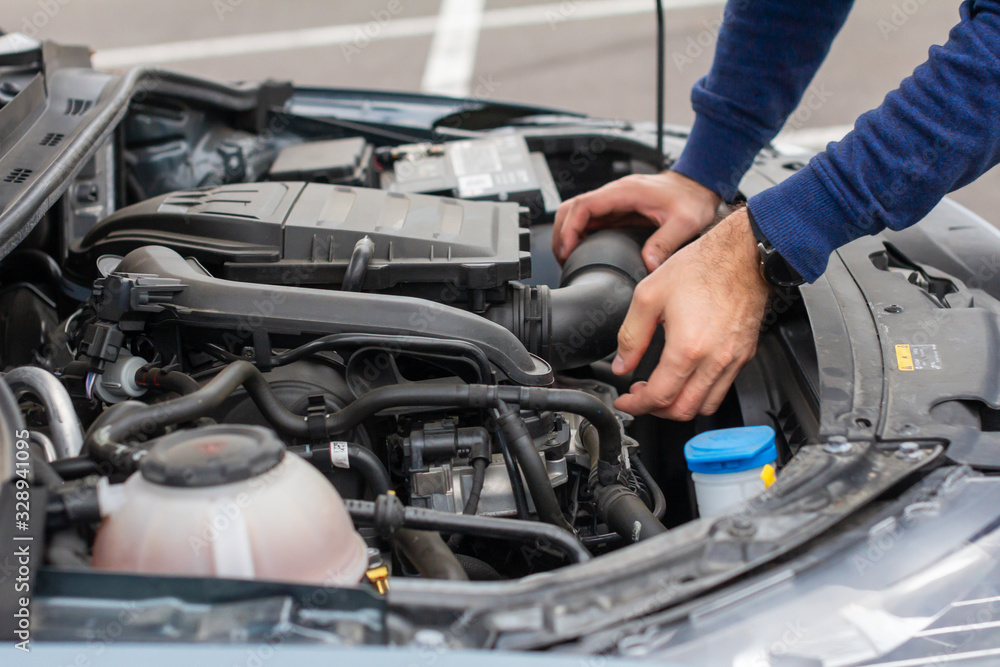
(304, 234)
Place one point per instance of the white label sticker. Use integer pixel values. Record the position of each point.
(926, 357)
(338, 455)
(474, 186)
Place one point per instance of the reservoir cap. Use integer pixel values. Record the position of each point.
(212, 455)
(731, 450)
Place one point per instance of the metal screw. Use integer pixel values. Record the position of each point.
(741, 527)
(894, 309)
(909, 451)
(837, 444)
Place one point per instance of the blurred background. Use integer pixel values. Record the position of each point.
(594, 56)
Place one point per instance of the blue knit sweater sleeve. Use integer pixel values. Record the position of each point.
(766, 55)
(937, 132)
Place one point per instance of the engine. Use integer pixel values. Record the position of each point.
(342, 367)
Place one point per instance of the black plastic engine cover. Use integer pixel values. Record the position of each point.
(285, 233)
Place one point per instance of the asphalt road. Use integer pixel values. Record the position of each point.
(596, 56)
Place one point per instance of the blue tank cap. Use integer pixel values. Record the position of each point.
(731, 450)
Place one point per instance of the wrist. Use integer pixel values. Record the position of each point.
(773, 266)
(705, 195)
(743, 242)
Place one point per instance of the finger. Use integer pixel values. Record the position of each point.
(668, 379)
(665, 385)
(618, 197)
(561, 214)
(638, 328)
(717, 394)
(664, 243)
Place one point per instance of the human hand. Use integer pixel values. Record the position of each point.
(680, 207)
(710, 298)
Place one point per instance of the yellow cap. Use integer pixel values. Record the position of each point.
(767, 474)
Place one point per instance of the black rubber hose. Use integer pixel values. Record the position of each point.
(472, 504)
(617, 505)
(357, 268)
(43, 472)
(514, 474)
(429, 554)
(530, 532)
(458, 348)
(75, 467)
(476, 492)
(625, 513)
(106, 442)
(659, 508)
(522, 446)
(578, 323)
(477, 569)
(156, 378)
(371, 468)
(359, 458)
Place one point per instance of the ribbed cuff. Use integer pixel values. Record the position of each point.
(716, 156)
(804, 222)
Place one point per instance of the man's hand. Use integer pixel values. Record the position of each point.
(711, 299)
(680, 207)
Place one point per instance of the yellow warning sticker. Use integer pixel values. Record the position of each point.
(904, 358)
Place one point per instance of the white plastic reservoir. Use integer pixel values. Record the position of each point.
(730, 466)
(227, 501)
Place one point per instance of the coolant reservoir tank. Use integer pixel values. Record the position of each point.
(226, 501)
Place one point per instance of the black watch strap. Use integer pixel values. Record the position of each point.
(773, 267)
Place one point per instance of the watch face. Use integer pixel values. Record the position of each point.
(777, 272)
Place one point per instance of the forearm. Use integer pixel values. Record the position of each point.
(767, 53)
(937, 132)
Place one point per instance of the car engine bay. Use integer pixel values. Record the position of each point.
(309, 351)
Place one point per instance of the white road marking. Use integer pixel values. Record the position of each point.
(360, 34)
(812, 138)
(452, 57)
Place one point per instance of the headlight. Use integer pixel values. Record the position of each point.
(915, 585)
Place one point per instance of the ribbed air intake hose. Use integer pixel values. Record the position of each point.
(578, 323)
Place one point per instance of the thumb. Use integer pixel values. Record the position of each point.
(664, 243)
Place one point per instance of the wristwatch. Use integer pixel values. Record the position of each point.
(773, 267)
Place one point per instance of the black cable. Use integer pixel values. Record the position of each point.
(661, 80)
(659, 508)
(530, 532)
(514, 473)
